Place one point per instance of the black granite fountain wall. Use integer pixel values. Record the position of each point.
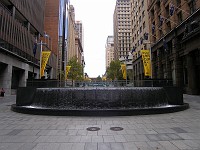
(99, 101)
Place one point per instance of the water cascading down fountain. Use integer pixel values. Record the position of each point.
(99, 101)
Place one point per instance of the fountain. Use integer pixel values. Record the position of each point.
(99, 101)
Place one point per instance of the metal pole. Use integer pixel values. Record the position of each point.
(40, 58)
(33, 67)
(126, 75)
(151, 62)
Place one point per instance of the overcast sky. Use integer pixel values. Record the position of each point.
(97, 19)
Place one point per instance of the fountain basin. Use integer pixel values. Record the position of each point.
(99, 101)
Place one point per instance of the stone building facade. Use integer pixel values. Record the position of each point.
(175, 29)
(139, 31)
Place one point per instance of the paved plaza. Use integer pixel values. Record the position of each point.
(173, 131)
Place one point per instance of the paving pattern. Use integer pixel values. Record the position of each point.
(173, 131)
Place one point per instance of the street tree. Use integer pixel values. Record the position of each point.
(114, 71)
(76, 70)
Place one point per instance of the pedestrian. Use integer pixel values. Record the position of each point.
(2, 92)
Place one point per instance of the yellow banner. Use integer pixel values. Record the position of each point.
(45, 57)
(146, 62)
(123, 67)
(67, 70)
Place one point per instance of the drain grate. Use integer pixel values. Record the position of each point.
(93, 128)
(116, 128)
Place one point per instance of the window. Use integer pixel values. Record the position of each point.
(178, 2)
(143, 14)
(142, 3)
(144, 25)
(180, 17)
(140, 29)
(192, 6)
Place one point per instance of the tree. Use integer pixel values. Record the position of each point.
(114, 71)
(99, 78)
(76, 70)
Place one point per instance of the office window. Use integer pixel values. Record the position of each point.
(143, 14)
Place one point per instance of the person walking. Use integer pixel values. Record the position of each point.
(2, 92)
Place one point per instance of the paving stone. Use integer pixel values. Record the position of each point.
(104, 146)
(90, 146)
(97, 139)
(65, 146)
(153, 137)
(179, 130)
(47, 146)
(180, 144)
(10, 146)
(130, 146)
(116, 146)
(119, 138)
(14, 132)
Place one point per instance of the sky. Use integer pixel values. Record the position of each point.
(97, 19)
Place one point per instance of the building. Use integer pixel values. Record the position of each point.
(20, 26)
(80, 31)
(52, 22)
(71, 52)
(139, 35)
(122, 25)
(109, 50)
(80, 37)
(175, 26)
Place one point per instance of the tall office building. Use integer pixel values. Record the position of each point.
(71, 52)
(175, 26)
(20, 23)
(80, 37)
(80, 31)
(139, 35)
(122, 25)
(109, 50)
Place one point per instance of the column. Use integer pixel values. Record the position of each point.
(192, 76)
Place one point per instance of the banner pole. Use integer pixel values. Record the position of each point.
(40, 57)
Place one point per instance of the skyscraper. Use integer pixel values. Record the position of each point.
(80, 31)
(109, 50)
(122, 25)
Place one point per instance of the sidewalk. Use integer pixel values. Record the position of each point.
(174, 131)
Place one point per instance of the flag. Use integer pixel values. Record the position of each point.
(34, 48)
(133, 49)
(45, 57)
(171, 9)
(165, 45)
(153, 28)
(146, 62)
(67, 70)
(146, 36)
(123, 68)
(161, 20)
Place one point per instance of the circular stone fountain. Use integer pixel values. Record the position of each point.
(99, 101)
